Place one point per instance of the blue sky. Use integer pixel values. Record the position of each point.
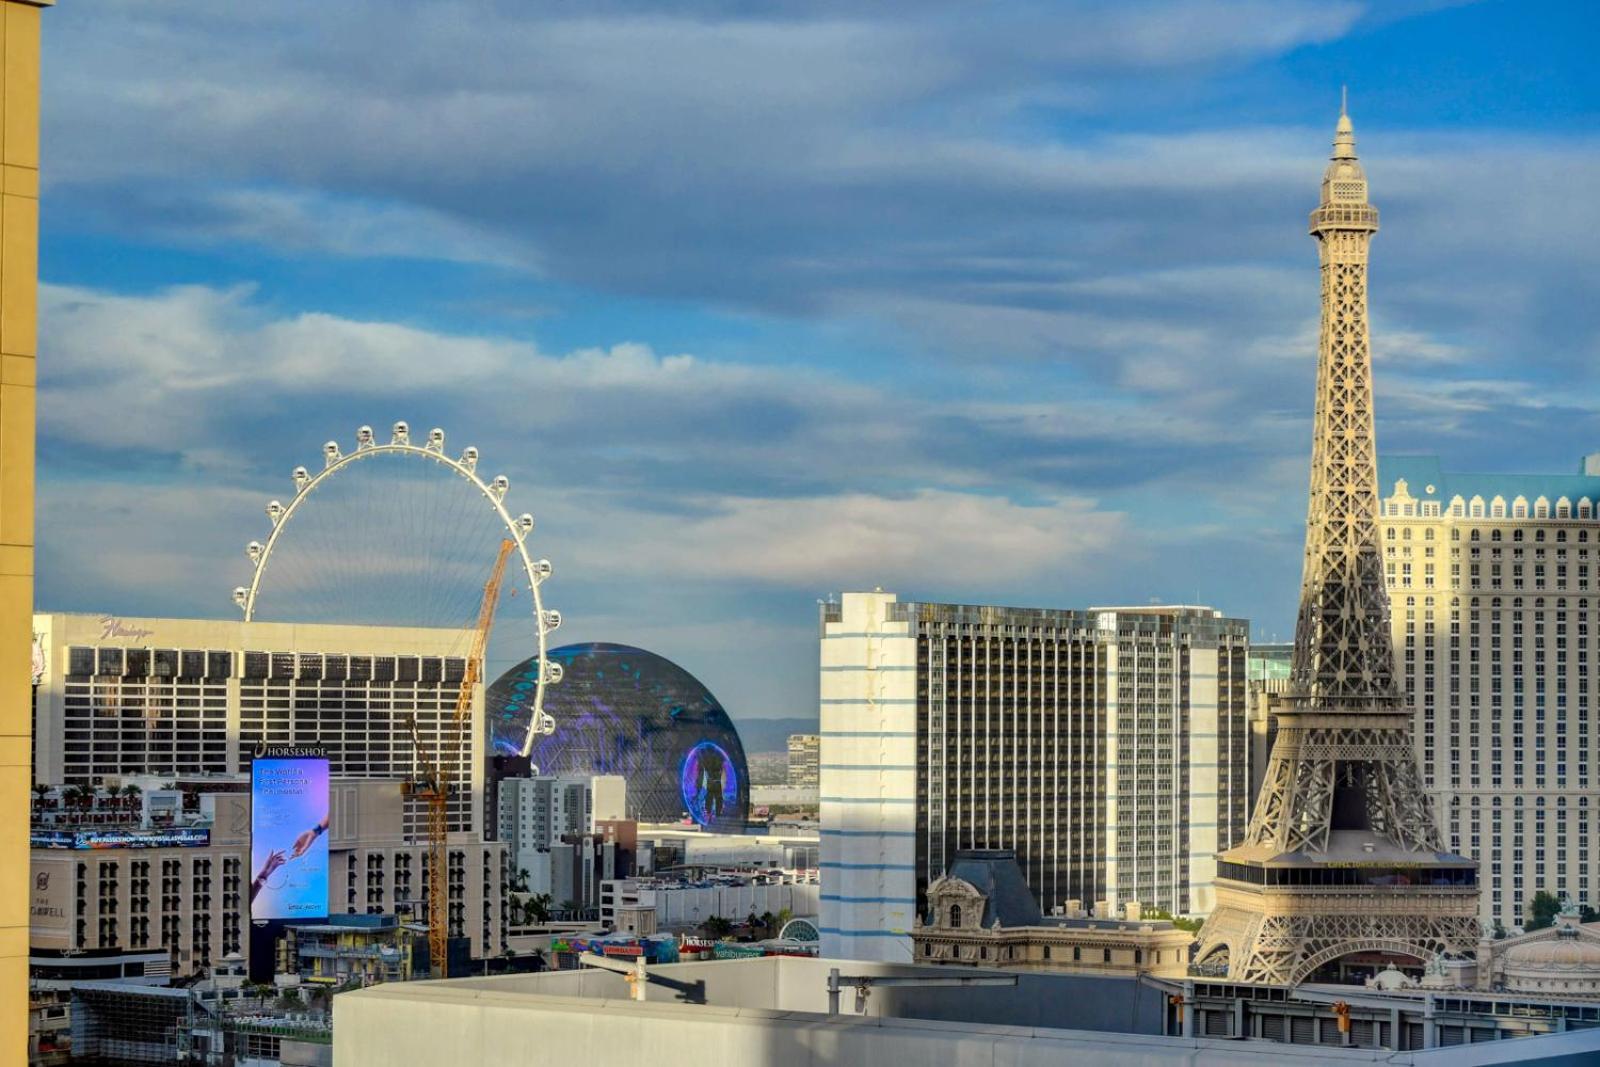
(754, 303)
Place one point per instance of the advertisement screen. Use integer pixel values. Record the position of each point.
(709, 782)
(289, 835)
(176, 837)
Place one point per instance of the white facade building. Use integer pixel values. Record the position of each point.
(1108, 748)
(1494, 588)
(868, 774)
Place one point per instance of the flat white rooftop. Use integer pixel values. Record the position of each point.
(773, 1012)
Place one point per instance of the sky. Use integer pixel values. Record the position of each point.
(755, 303)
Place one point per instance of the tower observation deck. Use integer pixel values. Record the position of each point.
(1342, 854)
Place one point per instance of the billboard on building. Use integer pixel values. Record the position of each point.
(288, 833)
(172, 837)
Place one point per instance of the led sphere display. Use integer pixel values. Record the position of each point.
(625, 711)
(708, 783)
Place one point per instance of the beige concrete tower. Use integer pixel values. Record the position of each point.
(1342, 854)
(19, 255)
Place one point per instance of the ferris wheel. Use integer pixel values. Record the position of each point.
(403, 534)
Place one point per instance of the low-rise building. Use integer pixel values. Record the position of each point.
(1558, 961)
(685, 904)
(157, 902)
(353, 948)
(213, 1022)
(983, 915)
(667, 845)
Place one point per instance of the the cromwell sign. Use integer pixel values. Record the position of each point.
(50, 902)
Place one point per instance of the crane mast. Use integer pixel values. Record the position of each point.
(434, 782)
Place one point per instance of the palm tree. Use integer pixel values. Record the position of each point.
(130, 796)
(716, 928)
(537, 908)
(40, 793)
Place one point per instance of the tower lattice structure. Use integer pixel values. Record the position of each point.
(1342, 854)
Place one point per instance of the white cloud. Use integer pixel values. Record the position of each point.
(959, 541)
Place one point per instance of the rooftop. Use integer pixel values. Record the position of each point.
(774, 1012)
(995, 874)
(1426, 479)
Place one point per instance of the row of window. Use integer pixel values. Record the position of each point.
(112, 661)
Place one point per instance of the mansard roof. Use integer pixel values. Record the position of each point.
(995, 874)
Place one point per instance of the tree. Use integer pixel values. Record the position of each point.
(1178, 922)
(1543, 910)
(519, 881)
(537, 908)
(290, 1000)
(130, 796)
(784, 915)
(716, 928)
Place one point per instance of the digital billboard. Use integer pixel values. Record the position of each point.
(289, 833)
(172, 837)
(709, 782)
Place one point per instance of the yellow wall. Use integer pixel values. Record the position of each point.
(19, 254)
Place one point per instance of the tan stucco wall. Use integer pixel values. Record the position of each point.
(19, 262)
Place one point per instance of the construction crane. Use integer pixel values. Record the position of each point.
(433, 785)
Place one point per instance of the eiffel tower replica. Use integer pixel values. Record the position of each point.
(1342, 854)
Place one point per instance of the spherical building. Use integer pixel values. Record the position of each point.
(622, 710)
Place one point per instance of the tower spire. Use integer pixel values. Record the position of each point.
(1344, 134)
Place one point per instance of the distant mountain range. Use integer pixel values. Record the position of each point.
(772, 735)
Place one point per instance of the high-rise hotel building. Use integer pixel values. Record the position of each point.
(116, 696)
(1107, 748)
(1494, 585)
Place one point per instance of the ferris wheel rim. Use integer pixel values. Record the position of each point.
(519, 529)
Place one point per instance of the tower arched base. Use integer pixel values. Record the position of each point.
(1287, 949)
